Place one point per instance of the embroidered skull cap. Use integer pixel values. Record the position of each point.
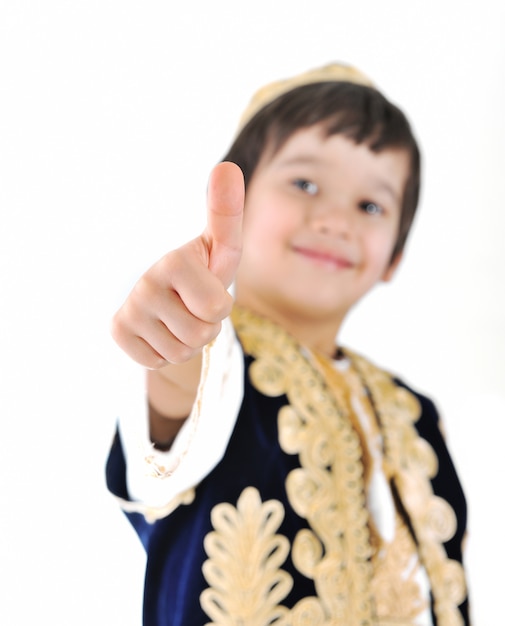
(333, 72)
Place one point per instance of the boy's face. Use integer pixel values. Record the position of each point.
(320, 224)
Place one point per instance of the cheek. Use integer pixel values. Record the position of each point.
(268, 225)
(380, 249)
(257, 238)
(254, 231)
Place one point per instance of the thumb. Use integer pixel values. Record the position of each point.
(225, 207)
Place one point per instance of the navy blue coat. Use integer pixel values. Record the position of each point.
(174, 545)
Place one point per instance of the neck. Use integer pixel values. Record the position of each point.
(314, 332)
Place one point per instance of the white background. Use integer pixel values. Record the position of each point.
(111, 115)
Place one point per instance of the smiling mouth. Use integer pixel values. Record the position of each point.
(324, 258)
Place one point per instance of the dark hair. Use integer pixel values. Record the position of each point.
(359, 112)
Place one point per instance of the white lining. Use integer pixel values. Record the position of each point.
(156, 478)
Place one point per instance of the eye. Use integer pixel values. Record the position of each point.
(371, 208)
(306, 186)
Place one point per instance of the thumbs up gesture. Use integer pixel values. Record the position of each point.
(178, 305)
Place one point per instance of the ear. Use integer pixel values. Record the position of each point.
(391, 269)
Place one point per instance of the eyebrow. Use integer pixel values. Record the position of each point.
(305, 159)
(382, 185)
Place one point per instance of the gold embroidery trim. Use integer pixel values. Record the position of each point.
(414, 461)
(395, 583)
(328, 490)
(243, 569)
(335, 553)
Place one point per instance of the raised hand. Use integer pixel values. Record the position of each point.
(178, 305)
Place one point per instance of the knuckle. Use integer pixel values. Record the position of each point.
(156, 362)
(145, 290)
(118, 327)
(182, 354)
(218, 307)
(204, 334)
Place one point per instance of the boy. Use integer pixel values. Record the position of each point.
(289, 481)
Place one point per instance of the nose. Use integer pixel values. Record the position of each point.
(331, 217)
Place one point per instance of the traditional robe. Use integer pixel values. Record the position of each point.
(334, 500)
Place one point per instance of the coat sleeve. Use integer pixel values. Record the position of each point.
(153, 483)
